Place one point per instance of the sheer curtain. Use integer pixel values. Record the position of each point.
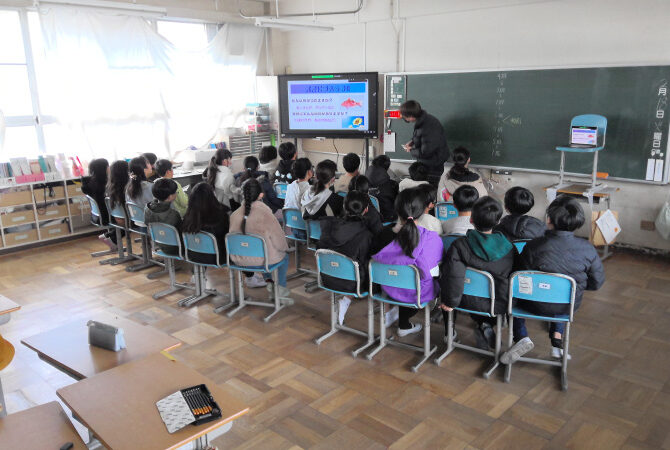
(111, 86)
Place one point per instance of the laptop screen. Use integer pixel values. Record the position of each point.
(584, 136)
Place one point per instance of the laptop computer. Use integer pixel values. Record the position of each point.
(583, 137)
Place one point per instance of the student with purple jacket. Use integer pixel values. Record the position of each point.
(412, 245)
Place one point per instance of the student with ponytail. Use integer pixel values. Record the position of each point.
(350, 236)
(219, 176)
(373, 218)
(412, 245)
(138, 189)
(251, 171)
(255, 217)
(319, 200)
(459, 175)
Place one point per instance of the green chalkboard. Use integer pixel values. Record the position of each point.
(516, 119)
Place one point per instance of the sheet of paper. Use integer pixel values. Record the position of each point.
(608, 226)
(551, 195)
(389, 142)
(525, 285)
(175, 412)
(658, 171)
(651, 166)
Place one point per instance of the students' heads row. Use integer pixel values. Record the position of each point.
(563, 214)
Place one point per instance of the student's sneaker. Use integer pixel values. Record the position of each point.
(446, 338)
(485, 336)
(255, 281)
(517, 351)
(108, 242)
(285, 295)
(342, 306)
(391, 316)
(557, 349)
(415, 329)
(209, 284)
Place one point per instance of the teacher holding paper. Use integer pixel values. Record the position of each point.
(429, 144)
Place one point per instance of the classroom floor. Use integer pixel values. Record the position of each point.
(309, 396)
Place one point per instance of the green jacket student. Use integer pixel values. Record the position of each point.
(164, 170)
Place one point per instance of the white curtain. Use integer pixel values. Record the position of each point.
(115, 87)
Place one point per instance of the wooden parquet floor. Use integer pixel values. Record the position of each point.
(308, 396)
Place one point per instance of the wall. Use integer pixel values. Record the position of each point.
(425, 35)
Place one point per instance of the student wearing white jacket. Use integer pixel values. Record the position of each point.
(222, 179)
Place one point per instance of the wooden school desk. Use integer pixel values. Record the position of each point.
(41, 427)
(66, 347)
(119, 406)
(7, 307)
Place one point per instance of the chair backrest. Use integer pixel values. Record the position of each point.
(592, 120)
(342, 193)
(136, 213)
(293, 219)
(201, 242)
(251, 245)
(536, 286)
(118, 211)
(520, 244)
(337, 265)
(96, 218)
(392, 275)
(374, 201)
(165, 234)
(280, 189)
(445, 211)
(313, 232)
(448, 239)
(480, 284)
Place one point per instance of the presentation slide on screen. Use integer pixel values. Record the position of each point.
(328, 105)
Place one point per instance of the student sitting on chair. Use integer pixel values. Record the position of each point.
(412, 245)
(464, 198)
(164, 170)
(160, 209)
(373, 219)
(418, 175)
(151, 159)
(288, 154)
(94, 185)
(255, 217)
(480, 249)
(219, 176)
(382, 187)
(269, 162)
(205, 213)
(250, 171)
(350, 236)
(319, 200)
(516, 225)
(428, 221)
(351, 162)
(302, 173)
(558, 251)
(138, 189)
(459, 175)
(118, 180)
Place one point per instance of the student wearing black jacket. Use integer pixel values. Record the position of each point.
(429, 143)
(350, 236)
(383, 187)
(206, 213)
(480, 249)
(517, 225)
(373, 218)
(288, 153)
(270, 198)
(558, 251)
(95, 185)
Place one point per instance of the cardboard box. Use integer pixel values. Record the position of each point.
(20, 238)
(18, 218)
(53, 231)
(74, 190)
(44, 194)
(52, 211)
(11, 198)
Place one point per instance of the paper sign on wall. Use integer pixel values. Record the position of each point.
(525, 285)
(608, 226)
(389, 142)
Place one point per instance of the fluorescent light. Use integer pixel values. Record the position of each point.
(103, 4)
(268, 22)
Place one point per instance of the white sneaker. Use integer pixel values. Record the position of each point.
(391, 316)
(342, 306)
(557, 353)
(517, 351)
(209, 284)
(108, 242)
(415, 329)
(256, 281)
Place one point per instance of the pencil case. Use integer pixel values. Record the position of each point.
(201, 403)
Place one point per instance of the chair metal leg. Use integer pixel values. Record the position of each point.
(450, 338)
(510, 339)
(174, 287)
(231, 298)
(382, 335)
(371, 329)
(278, 305)
(427, 351)
(241, 303)
(102, 253)
(564, 365)
(496, 355)
(333, 319)
(146, 262)
(198, 288)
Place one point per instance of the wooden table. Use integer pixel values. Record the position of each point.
(38, 428)
(7, 307)
(119, 406)
(67, 348)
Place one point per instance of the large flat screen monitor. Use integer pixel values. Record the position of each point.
(341, 105)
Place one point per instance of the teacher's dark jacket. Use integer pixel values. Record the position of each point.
(430, 143)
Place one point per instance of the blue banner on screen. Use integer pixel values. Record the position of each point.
(328, 105)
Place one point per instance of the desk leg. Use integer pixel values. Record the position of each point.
(202, 443)
(3, 406)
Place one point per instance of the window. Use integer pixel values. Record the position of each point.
(18, 96)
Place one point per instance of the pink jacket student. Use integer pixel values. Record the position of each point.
(426, 256)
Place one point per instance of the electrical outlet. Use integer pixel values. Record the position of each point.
(647, 225)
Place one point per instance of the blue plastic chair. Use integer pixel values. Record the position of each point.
(164, 234)
(252, 245)
(585, 120)
(293, 219)
(448, 239)
(313, 233)
(445, 211)
(336, 265)
(342, 194)
(520, 244)
(119, 212)
(280, 189)
(375, 202)
(477, 284)
(137, 225)
(97, 221)
(535, 286)
(406, 277)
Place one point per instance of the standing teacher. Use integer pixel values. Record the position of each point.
(429, 144)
